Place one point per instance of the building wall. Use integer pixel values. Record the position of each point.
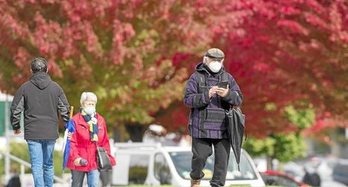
(4, 110)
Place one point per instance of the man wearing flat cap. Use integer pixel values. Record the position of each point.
(209, 92)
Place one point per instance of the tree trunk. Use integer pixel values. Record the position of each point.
(269, 162)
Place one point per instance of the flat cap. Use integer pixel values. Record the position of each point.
(215, 53)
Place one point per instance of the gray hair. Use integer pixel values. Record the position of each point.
(90, 96)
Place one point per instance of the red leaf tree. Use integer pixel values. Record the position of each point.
(286, 53)
(137, 54)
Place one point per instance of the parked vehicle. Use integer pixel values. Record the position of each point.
(277, 178)
(340, 171)
(154, 164)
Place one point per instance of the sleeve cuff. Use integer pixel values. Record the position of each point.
(16, 127)
(229, 95)
(206, 96)
(232, 97)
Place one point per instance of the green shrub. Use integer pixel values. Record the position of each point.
(20, 150)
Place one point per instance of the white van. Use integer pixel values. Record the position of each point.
(154, 164)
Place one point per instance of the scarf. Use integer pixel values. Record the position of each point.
(92, 124)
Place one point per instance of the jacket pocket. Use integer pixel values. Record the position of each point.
(215, 119)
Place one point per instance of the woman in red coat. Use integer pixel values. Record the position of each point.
(90, 131)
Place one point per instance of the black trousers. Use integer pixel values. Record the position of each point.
(78, 177)
(202, 149)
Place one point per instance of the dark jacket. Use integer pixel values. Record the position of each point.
(207, 117)
(15, 181)
(41, 99)
(312, 179)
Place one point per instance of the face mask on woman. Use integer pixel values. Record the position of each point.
(215, 66)
(89, 110)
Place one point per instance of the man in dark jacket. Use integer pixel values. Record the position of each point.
(311, 177)
(42, 100)
(209, 98)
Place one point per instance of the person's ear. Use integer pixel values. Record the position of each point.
(205, 59)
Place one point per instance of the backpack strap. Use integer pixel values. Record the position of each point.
(224, 77)
(201, 80)
(202, 84)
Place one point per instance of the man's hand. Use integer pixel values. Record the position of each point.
(222, 92)
(17, 131)
(212, 91)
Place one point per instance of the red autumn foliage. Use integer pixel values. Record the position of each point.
(137, 54)
(288, 53)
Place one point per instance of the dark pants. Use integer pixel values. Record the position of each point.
(105, 177)
(78, 176)
(202, 149)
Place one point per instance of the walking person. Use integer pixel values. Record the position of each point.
(15, 180)
(41, 100)
(311, 176)
(89, 132)
(209, 92)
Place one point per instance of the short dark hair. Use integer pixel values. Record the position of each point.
(39, 64)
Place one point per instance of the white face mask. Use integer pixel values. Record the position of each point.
(215, 66)
(89, 110)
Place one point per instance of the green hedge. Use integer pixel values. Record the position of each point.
(20, 150)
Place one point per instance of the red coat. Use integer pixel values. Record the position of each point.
(82, 146)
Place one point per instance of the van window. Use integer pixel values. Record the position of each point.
(161, 169)
(182, 163)
(138, 167)
(246, 170)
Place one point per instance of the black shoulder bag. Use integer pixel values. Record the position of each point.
(103, 160)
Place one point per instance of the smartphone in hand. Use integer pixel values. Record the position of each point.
(222, 84)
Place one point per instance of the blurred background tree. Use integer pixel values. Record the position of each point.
(289, 144)
(136, 55)
(287, 53)
(122, 50)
